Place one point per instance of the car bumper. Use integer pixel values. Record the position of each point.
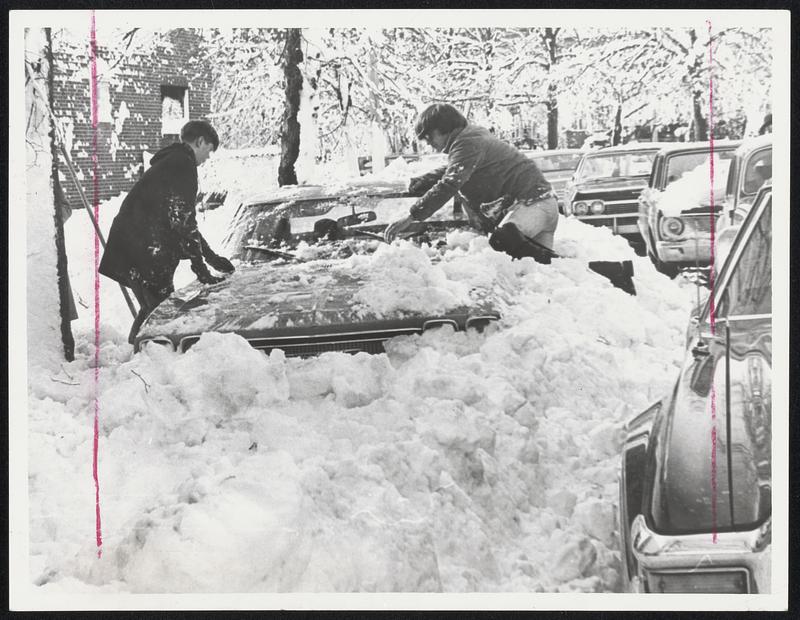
(687, 251)
(731, 562)
(620, 225)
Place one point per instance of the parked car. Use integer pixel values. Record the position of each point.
(679, 235)
(750, 168)
(305, 309)
(606, 185)
(695, 476)
(557, 166)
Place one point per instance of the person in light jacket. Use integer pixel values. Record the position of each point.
(504, 193)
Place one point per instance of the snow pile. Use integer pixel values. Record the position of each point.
(455, 462)
(694, 189)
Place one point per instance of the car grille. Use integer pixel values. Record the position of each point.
(628, 208)
(311, 345)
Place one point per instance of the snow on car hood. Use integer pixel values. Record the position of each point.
(392, 281)
(694, 189)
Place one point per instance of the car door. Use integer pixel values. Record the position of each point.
(714, 472)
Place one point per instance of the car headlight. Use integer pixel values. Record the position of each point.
(581, 208)
(597, 207)
(672, 227)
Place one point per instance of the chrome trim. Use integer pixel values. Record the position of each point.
(180, 342)
(438, 322)
(612, 216)
(670, 551)
(481, 317)
(162, 340)
(605, 188)
(748, 317)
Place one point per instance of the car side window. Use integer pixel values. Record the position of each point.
(758, 170)
(749, 290)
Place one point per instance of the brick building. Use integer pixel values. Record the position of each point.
(144, 97)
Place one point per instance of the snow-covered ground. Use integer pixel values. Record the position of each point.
(455, 462)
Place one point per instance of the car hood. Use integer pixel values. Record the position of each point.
(612, 184)
(270, 296)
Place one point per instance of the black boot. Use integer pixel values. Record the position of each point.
(508, 238)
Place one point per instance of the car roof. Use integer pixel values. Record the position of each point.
(352, 187)
(545, 153)
(630, 147)
(754, 143)
(672, 147)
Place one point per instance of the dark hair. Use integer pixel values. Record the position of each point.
(199, 129)
(440, 116)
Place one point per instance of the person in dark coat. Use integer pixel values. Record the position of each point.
(504, 193)
(156, 226)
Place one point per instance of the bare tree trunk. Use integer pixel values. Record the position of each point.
(699, 122)
(699, 128)
(66, 304)
(290, 127)
(552, 117)
(46, 259)
(549, 41)
(616, 136)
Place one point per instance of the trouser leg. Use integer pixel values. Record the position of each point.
(148, 299)
(535, 220)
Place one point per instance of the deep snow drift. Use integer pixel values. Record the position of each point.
(456, 462)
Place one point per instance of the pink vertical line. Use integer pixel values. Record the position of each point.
(96, 203)
(712, 320)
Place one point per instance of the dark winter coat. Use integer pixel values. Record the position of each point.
(482, 168)
(156, 225)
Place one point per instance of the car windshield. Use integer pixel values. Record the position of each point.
(613, 165)
(757, 170)
(553, 163)
(280, 226)
(681, 163)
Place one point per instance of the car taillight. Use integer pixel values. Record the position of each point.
(725, 581)
(581, 208)
(597, 207)
(672, 227)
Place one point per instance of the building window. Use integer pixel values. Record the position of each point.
(174, 109)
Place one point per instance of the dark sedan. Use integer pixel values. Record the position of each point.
(606, 187)
(277, 299)
(696, 471)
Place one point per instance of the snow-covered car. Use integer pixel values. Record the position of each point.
(750, 169)
(606, 185)
(675, 210)
(557, 166)
(294, 289)
(695, 475)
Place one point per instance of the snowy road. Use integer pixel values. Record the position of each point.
(455, 462)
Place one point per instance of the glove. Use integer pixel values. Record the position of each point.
(203, 273)
(396, 227)
(220, 263)
(417, 187)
